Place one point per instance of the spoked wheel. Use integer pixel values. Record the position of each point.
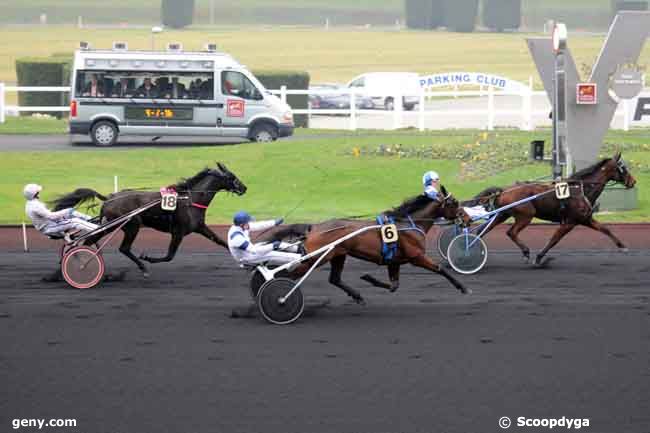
(467, 253)
(274, 307)
(445, 237)
(82, 267)
(257, 280)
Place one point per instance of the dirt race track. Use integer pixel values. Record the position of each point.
(163, 355)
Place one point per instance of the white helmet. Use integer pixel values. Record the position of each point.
(31, 189)
(429, 176)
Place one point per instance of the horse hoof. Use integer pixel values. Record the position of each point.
(466, 291)
(145, 275)
(544, 262)
(624, 250)
(360, 301)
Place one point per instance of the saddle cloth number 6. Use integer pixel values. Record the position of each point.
(389, 233)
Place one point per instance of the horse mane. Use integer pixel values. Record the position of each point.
(589, 170)
(409, 206)
(188, 183)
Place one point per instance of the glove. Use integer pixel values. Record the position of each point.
(279, 221)
(276, 245)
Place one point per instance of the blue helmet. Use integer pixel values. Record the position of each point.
(429, 177)
(241, 218)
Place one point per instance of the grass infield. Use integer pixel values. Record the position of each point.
(314, 177)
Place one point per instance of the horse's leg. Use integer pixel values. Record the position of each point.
(606, 231)
(204, 230)
(425, 262)
(337, 263)
(131, 230)
(557, 236)
(393, 274)
(177, 238)
(513, 232)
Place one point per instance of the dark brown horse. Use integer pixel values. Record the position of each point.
(586, 186)
(194, 196)
(414, 218)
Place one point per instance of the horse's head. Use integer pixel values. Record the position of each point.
(229, 181)
(621, 174)
(451, 209)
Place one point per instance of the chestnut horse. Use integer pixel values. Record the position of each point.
(586, 186)
(413, 218)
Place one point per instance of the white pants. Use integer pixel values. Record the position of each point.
(285, 254)
(77, 222)
(475, 211)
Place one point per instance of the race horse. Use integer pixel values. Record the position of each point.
(194, 197)
(413, 218)
(576, 210)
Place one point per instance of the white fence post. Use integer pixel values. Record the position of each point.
(115, 189)
(353, 110)
(490, 122)
(283, 94)
(421, 111)
(25, 247)
(397, 111)
(2, 102)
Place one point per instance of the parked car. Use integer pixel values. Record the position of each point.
(382, 87)
(336, 100)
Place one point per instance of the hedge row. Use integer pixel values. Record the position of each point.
(460, 15)
(50, 71)
(177, 13)
(55, 71)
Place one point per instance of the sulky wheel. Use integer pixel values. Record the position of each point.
(445, 237)
(82, 267)
(257, 280)
(467, 253)
(274, 308)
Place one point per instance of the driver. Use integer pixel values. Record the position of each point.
(431, 183)
(247, 253)
(53, 223)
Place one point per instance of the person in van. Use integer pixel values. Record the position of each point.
(147, 89)
(94, 88)
(206, 89)
(176, 90)
(121, 89)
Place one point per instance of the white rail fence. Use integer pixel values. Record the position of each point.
(521, 113)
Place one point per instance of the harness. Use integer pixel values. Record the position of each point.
(388, 250)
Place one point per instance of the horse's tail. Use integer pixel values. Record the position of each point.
(76, 197)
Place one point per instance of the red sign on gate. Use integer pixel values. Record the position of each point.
(235, 108)
(587, 93)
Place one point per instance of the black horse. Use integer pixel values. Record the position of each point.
(194, 197)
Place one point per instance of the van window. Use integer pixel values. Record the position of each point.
(147, 85)
(237, 84)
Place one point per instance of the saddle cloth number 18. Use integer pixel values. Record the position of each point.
(169, 201)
